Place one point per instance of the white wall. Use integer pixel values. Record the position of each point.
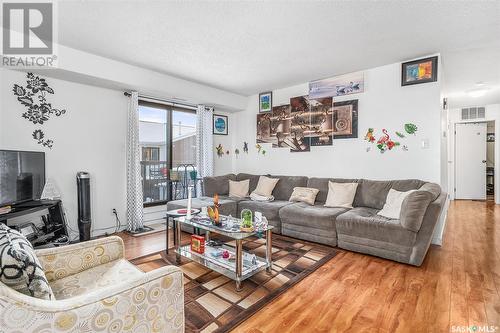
(492, 114)
(384, 104)
(89, 137)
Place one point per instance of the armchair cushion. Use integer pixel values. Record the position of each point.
(19, 266)
(95, 278)
(61, 262)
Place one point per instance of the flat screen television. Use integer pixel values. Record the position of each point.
(22, 176)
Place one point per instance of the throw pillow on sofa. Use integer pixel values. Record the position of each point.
(265, 186)
(304, 194)
(393, 203)
(20, 268)
(341, 194)
(239, 189)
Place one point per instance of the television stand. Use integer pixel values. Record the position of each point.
(54, 225)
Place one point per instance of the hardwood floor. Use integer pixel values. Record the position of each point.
(457, 285)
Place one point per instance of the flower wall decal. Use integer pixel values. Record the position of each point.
(39, 136)
(385, 143)
(34, 97)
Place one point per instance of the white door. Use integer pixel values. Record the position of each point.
(470, 161)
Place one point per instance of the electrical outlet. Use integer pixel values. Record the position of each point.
(114, 211)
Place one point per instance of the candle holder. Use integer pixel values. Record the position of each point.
(189, 203)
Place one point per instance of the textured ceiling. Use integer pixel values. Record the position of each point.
(247, 47)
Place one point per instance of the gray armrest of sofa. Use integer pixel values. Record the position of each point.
(415, 206)
(424, 235)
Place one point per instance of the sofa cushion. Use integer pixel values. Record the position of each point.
(304, 194)
(340, 194)
(364, 223)
(404, 185)
(227, 205)
(317, 216)
(322, 185)
(265, 186)
(254, 179)
(394, 203)
(20, 268)
(104, 275)
(217, 185)
(284, 188)
(269, 209)
(239, 189)
(372, 193)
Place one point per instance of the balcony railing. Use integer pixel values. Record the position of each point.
(161, 184)
(155, 181)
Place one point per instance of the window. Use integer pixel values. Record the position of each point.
(183, 138)
(167, 139)
(150, 153)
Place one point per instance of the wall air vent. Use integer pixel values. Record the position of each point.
(473, 113)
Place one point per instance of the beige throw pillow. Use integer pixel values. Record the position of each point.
(340, 194)
(393, 203)
(265, 186)
(239, 189)
(304, 194)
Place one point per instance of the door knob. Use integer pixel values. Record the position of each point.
(483, 161)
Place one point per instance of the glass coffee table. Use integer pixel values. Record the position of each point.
(241, 267)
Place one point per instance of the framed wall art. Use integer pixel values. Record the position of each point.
(342, 85)
(419, 71)
(345, 119)
(266, 101)
(280, 126)
(264, 131)
(220, 125)
(300, 125)
(321, 121)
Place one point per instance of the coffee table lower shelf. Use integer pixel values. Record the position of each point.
(224, 266)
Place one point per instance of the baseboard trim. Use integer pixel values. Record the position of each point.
(437, 241)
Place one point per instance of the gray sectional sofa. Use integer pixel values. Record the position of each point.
(359, 229)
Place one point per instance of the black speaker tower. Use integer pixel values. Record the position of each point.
(84, 218)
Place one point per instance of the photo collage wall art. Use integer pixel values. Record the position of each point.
(315, 119)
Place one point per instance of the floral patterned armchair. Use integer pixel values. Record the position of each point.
(96, 290)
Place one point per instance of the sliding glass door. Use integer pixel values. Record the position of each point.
(167, 139)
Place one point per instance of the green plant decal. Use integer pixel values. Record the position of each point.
(411, 128)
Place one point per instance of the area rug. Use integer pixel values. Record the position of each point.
(211, 301)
